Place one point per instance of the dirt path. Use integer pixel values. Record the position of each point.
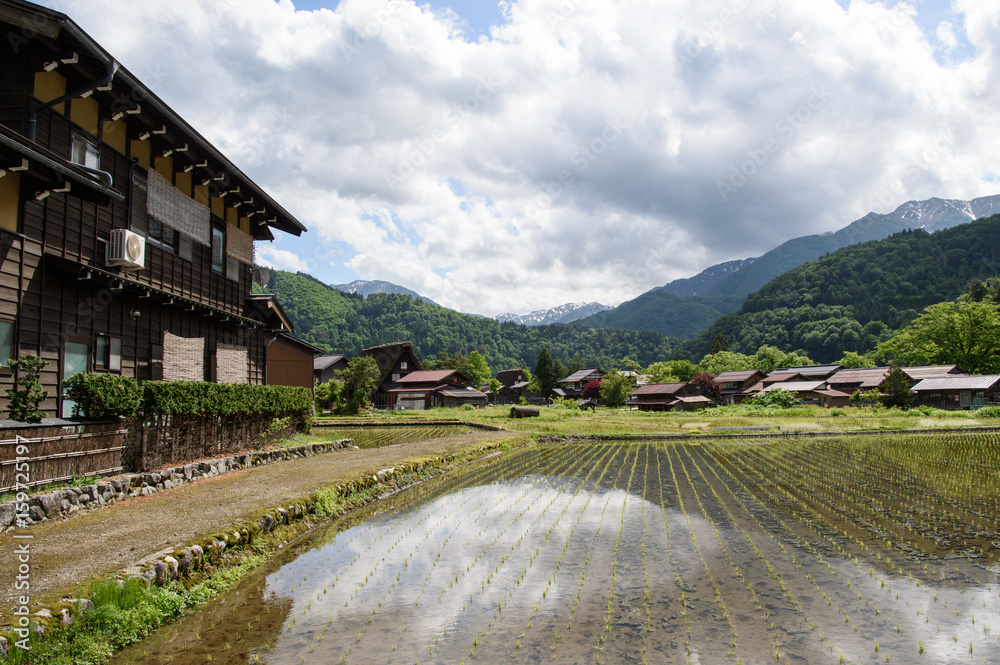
(73, 550)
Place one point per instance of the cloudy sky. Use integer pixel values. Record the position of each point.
(521, 155)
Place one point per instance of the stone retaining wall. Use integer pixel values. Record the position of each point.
(64, 502)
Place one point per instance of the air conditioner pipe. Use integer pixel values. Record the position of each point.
(90, 87)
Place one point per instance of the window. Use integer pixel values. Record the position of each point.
(162, 235)
(85, 152)
(6, 342)
(402, 365)
(108, 353)
(218, 249)
(75, 358)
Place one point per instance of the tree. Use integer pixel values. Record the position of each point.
(476, 369)
(591, 390)
(852, 360)
(359, 379)
(769, 358)
(661, 372)
(779, 397)
(615, 388)
(545, 373)
(495, 387)
(708, 386)
(963, 333)
(23, 403)
(725, 361)
(896, 390)
(719, 344)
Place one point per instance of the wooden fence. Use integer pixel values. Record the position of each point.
(38, 455)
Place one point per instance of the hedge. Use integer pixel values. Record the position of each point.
(101, 395)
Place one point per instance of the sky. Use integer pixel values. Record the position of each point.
(517, 156)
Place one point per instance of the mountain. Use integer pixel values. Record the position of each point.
(366, 288)
(663, 312)
(932, 215)
(700, 283)
(720, 289)
(857, 296)
(345, 323)
(562, 314)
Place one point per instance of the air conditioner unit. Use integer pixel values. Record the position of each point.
(126, 249)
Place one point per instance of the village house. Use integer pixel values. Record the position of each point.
(736, 385)
(678, 396)
(126, 238)
(572, 385)
(394, 361)
(958, 392)
(513, 386)
(326, 367)
(426, 389)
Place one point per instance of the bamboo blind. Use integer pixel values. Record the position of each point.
(173, 208)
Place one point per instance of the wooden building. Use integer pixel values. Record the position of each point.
(736, 384)
(326, 367)
(126, 238)
(394, 361)
(513, 386)
(678, 396)
(427, 389)
(572, 386)
(958, 392)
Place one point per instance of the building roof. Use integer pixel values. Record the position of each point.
(810, 371)
(386, 356)
(778, 377)
(832, 393)
(452, 391)
(796, 386)
(658, 389)
(931, 371)
(325, 361)
(740, 376)
(126, 86)
(509, 376)
(945, 384)
(315, 350)
(863, 377)
(519, 385)
(428, 376)
(581, 375)
(692, 399)
(270, 311)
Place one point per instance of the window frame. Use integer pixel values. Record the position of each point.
(218, 235)
(92, 149)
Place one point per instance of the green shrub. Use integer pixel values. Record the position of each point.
(23, 402)
(103, 395)
(837, 413)
(779, 397)
(988, 412)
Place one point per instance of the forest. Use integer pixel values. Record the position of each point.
(346, 323)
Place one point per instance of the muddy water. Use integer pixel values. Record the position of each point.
(598, 553)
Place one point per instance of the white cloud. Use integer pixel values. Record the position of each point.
(578, 154)
(281, 259)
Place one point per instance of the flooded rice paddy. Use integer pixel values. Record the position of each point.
(860, 550)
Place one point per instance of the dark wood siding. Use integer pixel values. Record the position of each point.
(289, 364)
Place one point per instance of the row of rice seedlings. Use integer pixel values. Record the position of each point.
(685, 619)
(717, 591)
(603, 634)
(761, 481)
(605, 466)
(758, 551)
(645, 569)
(560, 492)
(537, 482)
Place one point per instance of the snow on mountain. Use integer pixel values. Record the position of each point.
(368, 287)
(562, 314)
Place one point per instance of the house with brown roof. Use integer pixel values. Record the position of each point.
(325, 367)
(736, 384)
(679, 396)
(920, 373)
(426, 389)
(513, 386)
(807, 391)
(958, 392)
(572, 385)
(394, 361)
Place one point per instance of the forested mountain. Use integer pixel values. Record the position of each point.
(562, 314)
(661, 311)
(368, 287)
(720, 289)
(851, 299)
(346, 323)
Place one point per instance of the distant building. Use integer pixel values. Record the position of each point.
(513, 386)
(735, 385)
(958, 392)
(678, 396)
(325, 367)
(394, 361)
(572, 385)
(427, 389)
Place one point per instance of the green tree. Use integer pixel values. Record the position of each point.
(779, 397)
(27, 393)
(725, 361)
(769, 358)
(852, 360)
(545, 373)
(896, 390)
(359, 380)
(615, 388)
(661, 372)
(476, 369)
(719, 344)
(963, 333)
(495, 387)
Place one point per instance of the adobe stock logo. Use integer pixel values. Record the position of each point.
(787, 126)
